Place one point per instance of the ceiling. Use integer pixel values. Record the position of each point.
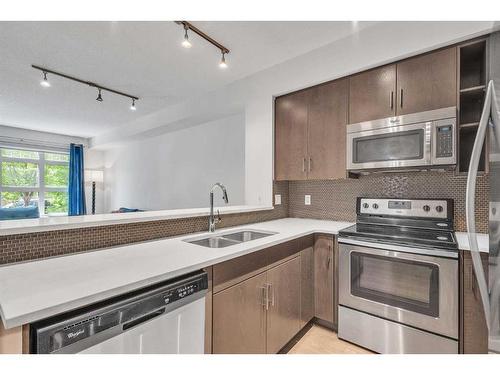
(140, 58)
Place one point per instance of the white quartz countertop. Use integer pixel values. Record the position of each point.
(482, 241)
(36, 290)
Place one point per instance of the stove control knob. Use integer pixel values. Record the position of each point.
(426, 208)
(366, 205)
(439, 208)
(375, 205)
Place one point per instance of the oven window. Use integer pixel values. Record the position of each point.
(406, 284)
(407, 145)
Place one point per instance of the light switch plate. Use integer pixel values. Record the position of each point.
(307, 200)
(277, 199)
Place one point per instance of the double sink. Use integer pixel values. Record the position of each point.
(229, 239)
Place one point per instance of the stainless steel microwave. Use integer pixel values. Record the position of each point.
(425, 140)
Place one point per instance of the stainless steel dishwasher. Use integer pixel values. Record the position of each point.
(166, 318)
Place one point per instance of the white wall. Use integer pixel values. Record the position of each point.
(177, 169)
(376, 45)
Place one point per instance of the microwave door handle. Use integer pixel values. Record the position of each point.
(490, 110)
(430, 130)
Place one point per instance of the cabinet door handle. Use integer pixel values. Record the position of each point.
(265, 299)
(392, 99)
(270, 290)
(329, 260)
(304, 165)
(401, 99)
(472, 280)
(310, 164)
(472, 283)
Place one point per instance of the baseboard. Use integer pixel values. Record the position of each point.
(295, 339)
(325, 323)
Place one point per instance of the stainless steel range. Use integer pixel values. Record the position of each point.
(398, 277)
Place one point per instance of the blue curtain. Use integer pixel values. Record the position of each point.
(76, 191)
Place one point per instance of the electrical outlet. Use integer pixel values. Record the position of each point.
(277, 199)
(307, 200)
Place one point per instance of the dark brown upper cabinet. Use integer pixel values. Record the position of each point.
(291, 136)
(327, 130)
(427, 82)
(418, 84)
(310, 133)
(372, 94)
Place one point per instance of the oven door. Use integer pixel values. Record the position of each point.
(418, 290)
(391, 147)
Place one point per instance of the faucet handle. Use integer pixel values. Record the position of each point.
(218, 216)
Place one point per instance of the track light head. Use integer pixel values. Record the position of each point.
(186, 43)
(132, 107)
(223, 64)
(44, 82)
(99, 97)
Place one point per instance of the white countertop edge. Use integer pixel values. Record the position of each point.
(483, 240)
(10, 227)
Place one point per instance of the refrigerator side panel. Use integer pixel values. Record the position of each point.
(494, 212)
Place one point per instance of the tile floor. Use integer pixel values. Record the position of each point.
(319, 340)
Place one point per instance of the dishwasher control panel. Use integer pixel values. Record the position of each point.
(72, 332)
(184, 290)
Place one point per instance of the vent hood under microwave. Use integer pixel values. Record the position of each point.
(425, 140)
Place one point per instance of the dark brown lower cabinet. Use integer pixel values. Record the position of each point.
(261, 299)
(283, 314)
(239, 318)
(473, 329)
(324, 280)
(306, 286)
(260, 314)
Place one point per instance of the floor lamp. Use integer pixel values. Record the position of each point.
(94, 176)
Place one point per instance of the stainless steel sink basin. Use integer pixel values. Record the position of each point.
(214, 242)
(247, 235)
(224, 240)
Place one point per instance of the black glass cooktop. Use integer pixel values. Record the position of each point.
(400, 235)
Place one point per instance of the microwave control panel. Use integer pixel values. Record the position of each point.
(444, 141)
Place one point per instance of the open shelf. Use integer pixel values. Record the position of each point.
(470, 125)
(467, 138)
(471, 106)
(479, 88)
(471, 93)
(472, 65)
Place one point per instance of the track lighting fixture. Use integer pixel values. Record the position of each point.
(99, 97)
(186, 43)
(45, 82)
(223, 64)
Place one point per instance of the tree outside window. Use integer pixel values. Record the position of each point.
(33, 178)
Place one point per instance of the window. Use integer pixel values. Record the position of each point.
(34, 178)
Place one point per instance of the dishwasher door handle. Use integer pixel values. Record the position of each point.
(134, 322)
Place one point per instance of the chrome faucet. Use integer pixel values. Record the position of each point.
(211, 220)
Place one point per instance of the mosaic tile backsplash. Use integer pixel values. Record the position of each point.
(336, 200)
